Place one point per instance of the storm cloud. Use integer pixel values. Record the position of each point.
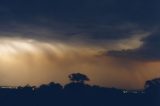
(148, 51)
(81, 19)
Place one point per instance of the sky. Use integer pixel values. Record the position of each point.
(116, 43)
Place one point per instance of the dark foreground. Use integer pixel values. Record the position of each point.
(80, 94)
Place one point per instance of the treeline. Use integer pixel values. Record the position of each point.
(77, 93)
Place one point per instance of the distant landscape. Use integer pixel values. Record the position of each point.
(78, 93)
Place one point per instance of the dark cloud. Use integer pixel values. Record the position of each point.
(91, 21)
(150, 50)
(87, 19)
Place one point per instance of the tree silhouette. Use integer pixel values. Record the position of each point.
(153, 86)
(78, 77)
(153, 83)
(80, 94)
